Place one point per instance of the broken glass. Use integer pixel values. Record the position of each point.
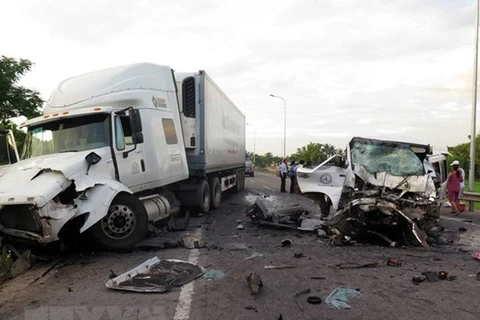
(397, 160)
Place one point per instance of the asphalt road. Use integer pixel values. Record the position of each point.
(75, 287)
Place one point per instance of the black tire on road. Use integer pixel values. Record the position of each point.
(125, 224)
(203, 197)
(215, 192)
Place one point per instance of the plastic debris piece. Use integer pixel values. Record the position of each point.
(155, 275)
(443, 275)
(255, 255)
(314, 300)
(298, 255)
(191, 241)
(254, 282)
(476, 255)
(432, 276)
(339, 297)
(287, 243)
(295, 297)
(214, 274)
(394, 262)
(417, 280)
(240, 227)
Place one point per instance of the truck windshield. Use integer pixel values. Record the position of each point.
(397, 160)
(67, 135)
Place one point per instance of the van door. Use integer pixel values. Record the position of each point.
(132, 170)
(327, 178)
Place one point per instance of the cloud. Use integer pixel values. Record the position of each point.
(344, 67)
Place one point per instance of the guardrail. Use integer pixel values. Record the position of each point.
(470, 196)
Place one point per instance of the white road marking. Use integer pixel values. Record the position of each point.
(182, 312)
(270, 189)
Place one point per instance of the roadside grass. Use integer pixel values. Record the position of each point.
(6, 264)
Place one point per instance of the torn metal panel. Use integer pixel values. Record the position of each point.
(363, 217)
(155, 275)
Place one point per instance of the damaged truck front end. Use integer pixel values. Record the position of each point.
(379, 190)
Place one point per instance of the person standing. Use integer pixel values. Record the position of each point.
(283, 175)
(453, 187)
(293, 176)
(462, 172)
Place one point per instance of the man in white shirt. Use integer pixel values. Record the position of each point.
(283, 175)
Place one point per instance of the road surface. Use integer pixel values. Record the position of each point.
(75, 288)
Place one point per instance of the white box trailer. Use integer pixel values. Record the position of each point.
(214, 128)
(119, 147)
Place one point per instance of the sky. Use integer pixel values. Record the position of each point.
(400, 69)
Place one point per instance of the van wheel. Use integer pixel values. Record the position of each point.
(124, 226)
(216, 192)
(203, 197)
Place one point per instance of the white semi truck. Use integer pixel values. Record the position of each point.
(8, 148)
(118, 148)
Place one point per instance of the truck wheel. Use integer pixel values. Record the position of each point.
(203, 197)
(216, 192)
(125, 224)
(242, 180)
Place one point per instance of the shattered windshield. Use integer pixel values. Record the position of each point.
(397, 160)
(67, 135)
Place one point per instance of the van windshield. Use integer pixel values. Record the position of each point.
(394, 159)
(67, 135)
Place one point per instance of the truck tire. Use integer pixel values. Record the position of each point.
(239, 181)
(216, 192)
(125, 224)
(242, 179)
(203, 197)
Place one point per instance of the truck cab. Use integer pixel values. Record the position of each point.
(8, 148)
(108, 156)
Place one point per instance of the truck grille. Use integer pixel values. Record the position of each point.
(19, 217)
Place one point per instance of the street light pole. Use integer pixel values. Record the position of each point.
(254, 139)
(471, 176)
(284, 125)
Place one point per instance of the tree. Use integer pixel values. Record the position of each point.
(315, 152)
(16, 100)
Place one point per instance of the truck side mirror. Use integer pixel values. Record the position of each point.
(136, 126)
(92, 158)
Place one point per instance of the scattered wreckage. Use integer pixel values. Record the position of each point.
(379, 189)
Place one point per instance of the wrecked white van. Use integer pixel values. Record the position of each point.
(380, 188)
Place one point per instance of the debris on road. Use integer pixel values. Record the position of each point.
(240, 227)
(286, 243)
(295, 297)
(318, 278)
(339, 297)
(478, 276)
(251, 308)
(462, 229)
(214, 274)
(293, 217)
(280, 267)
(354, 265)
(162, 243)
(314, 300)
(394, 262)
(476, 255)
(433, 276)
(155, 275)
(255, 255)
(112, 275)
(298, 255)
(254, 283)
(191, 241)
